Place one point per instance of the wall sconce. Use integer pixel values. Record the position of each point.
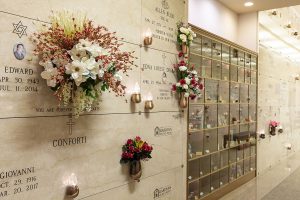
(149, 102)
(148, 37)
(274, 12)
(136, 95)
(72, 190)
(262, 134)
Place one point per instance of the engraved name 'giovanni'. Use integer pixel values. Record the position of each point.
(16, 172)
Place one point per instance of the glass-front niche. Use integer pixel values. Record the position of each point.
(222, 125)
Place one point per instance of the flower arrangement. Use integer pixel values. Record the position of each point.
(134, 151)
(188, 83)
(272, 126)
(80, 60)
(185, 36)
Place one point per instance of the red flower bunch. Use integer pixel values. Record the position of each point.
(188, 82)
(274, 123)
(135, 150)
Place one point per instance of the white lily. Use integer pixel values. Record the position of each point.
(183, 37)
(50, 75)
(77, 71)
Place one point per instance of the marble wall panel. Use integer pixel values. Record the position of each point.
(50, 144)
(277, 100)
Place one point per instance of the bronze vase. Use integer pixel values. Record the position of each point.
(272, 130)
(183, 101)
(184, 48)
(135, 170)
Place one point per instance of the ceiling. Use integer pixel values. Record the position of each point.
(238, 5)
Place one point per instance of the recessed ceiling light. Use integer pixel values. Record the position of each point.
(248, 3)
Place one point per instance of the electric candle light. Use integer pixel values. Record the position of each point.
(72, 189)
(149, 102)
(148, 37)
(136, 95)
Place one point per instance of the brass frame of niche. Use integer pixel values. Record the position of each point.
(231, 185)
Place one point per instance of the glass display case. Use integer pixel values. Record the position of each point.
(222, 124)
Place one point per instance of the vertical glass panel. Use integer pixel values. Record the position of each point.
(252, 94)
(195, 47)
(253, 63)
(222, 138)
(216, 50)
(241, 75)
(204, 165)
(210, 116)
(234, 114)
(246, 150)
(248, 61)
(224, 177)
(195, 144)
(211, 91)
(216, 69)
(232, 155)
(204, 186)
(206, 68)
(234, 93)
(234, 56)
(195, 60)
(224, 159)
(225, 53)
(210, 141)
(252, 150)
(232, 172)
(241, 60)
(240, 153)
(225, 71)
(244, 134)
(215, 161)
(246, 166)
(223, 96)
(252, 112)
(233, 136)
(244, 93)
(215, 181)
(253, 77)
(223, 114)
(234, 73)
(193, 190)
(247, 76)
(252, 163)
(193, 171)
(244, 114)
(206, 47)
(196, 117)
(240, 169)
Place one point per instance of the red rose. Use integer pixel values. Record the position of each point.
(137, 138)
(182, 82)
(193, 96)
(131, 148)
(129, 142)
(173, 87)
(201, 86)
(193, 82)
(182, 63)
(180, 54)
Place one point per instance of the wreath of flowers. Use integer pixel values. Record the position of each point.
(188, 82)
(81, 60)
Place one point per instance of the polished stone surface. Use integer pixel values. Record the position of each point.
(278, 183)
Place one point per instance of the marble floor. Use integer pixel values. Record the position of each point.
(278, 183)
